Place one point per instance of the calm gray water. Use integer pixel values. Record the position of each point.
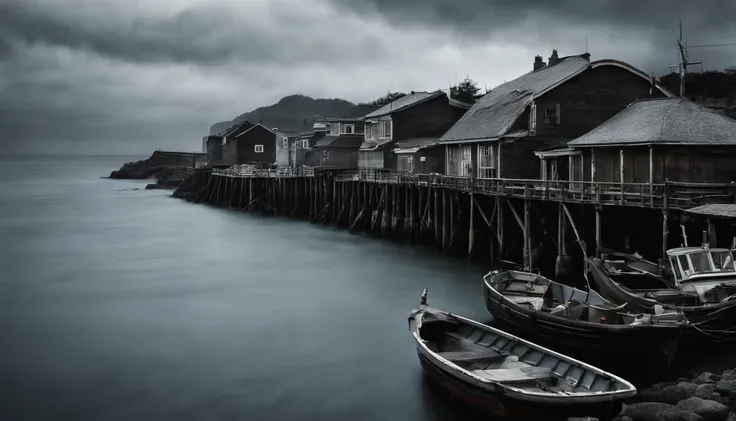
(122, 304)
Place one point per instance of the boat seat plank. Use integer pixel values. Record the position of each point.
(515, 375)
(471, 356)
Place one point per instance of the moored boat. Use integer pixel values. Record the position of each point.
(699, 281)
(507, 376)
(583, 324)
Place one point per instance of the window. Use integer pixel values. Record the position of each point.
(533, 118)
(259, 148)
(347, 129)
(386, 128)
(326, 153)
(286, 142)
(305, 143)
(722, 261)
(552, 114)
(334, 129)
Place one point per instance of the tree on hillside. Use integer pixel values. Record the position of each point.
(386, 99)
(465, 91)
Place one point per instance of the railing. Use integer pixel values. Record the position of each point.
(656, 195)
(250, 171)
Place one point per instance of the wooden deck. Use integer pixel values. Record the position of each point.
(668, 195)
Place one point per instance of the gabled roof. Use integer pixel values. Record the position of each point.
(404, 102)
(234, 128)
(494, 114)
(415, 144)
(257, 125)
(664, 121)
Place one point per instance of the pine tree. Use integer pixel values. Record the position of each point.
(465, 91)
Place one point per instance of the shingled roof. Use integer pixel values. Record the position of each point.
(414, 144)
(494, 114)
(665, 121)
(404, 102)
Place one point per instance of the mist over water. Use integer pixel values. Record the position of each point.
(123, 304)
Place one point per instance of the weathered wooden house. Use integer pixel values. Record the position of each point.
(304, 143)
(419, 114)
(256, 145)
(339, 148)
(420, 156)
(549, 106)
(657, 139)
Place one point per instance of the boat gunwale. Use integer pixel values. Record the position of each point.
(590, 397)
(635, 296)
(569, 322)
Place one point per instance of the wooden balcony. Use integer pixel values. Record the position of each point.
(670, 195)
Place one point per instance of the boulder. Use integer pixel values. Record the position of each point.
(706, 391)
(726, 387)
(646, 411)
(675, 414)
(708, 409)
(707, 378)
(670, 394)
(729, 375)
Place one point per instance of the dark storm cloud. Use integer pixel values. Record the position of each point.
(656, 21)
(201, 35)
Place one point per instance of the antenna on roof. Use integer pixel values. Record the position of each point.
(684, 61)
(586, 45)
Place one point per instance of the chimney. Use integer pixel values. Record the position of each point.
(538, 63)
(554, 58)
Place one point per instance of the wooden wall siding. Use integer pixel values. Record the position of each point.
(430, 119)
(370, 159)
(607, 165)
(636, 165)
(588, 100)
(434, 161)
(518, 159)
(214, 150)
(693, 165)
(696, 164)
(259, 135)
(229, 154)
(343, 158)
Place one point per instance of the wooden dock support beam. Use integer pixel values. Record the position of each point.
(598, 228)
(527, 234)
(471, 230)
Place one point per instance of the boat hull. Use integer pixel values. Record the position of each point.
(505, 406)
(714, 323)
(623, 350)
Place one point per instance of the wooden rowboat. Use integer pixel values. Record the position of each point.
(507, 376)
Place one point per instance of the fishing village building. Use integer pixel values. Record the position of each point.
(417, 115)
(547, 107)
(255, 145)
(339, 148)
(571, 157)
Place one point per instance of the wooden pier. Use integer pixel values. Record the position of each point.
(533, 222)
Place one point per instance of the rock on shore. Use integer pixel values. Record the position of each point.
(170, 169)
(707, 397)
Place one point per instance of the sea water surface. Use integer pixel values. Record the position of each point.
(118, 303)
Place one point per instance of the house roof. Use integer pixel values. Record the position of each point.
(257, 125)
(404, 102)
(663, 121)
(342, 120)
(725, 210)
(494, 114)
(234, 128)
(341, 141)
(415, 144)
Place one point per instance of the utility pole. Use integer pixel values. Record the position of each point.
(684, 61)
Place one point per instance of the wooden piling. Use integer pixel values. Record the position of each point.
(598, 228)
(471, 230)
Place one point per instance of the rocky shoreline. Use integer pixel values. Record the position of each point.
(706, 397)
(169, 169)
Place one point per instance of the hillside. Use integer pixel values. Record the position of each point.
(296, 113)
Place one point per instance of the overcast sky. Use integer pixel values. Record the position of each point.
(131, 76)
